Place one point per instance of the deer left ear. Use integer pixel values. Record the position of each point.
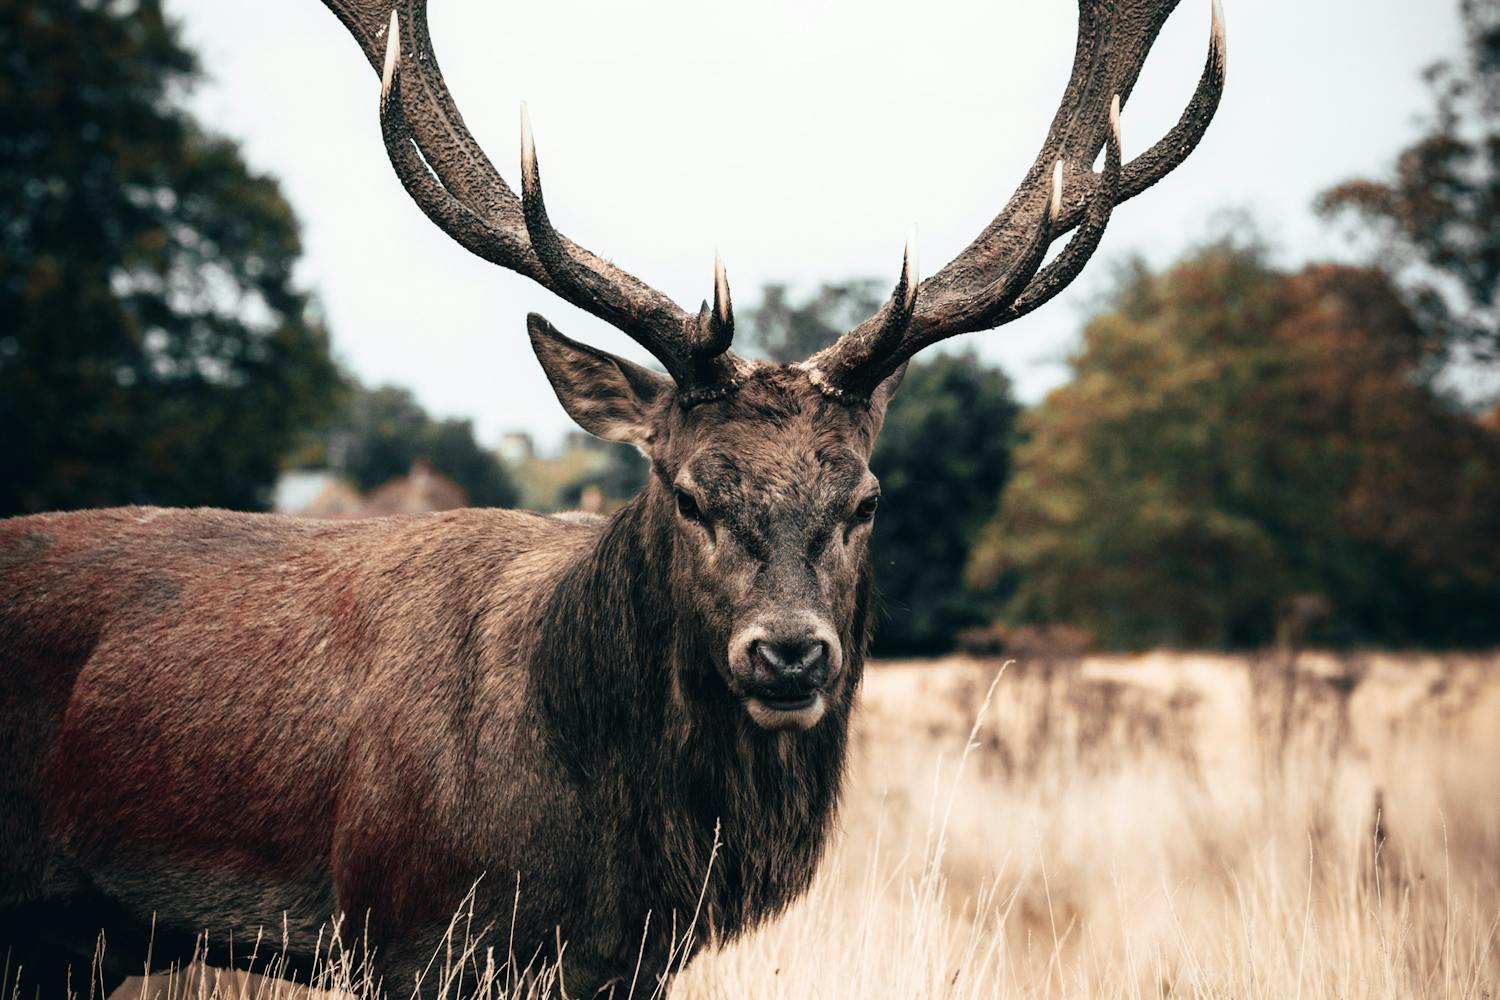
(607, 396)
(881, 397)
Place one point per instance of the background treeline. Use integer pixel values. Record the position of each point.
(1239, 441)
(1235, 435)
(153, 346)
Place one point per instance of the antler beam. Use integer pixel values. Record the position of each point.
(996, 279)
(448, 175)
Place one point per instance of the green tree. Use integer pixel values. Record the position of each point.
(1234, 435)
(153, 346)
(784, 330)
(1438, 212)
(381, 432)
(942, 459)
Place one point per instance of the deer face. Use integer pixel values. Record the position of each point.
(766, 495)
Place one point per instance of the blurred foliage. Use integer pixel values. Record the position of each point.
(1438, 213)
(942, 459)
(1234, 435)
(379, 434)
(153, 346)
(618, 474)
(785, 331)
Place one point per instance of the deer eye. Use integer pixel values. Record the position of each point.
(866, 508)
(687, 506)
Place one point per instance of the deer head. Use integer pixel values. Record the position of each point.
(762, 470)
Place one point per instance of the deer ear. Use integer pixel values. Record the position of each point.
(607, 396)
(881, 397)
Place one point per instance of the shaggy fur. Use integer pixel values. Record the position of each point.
(232, 721)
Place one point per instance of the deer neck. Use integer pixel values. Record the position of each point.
(639, 713)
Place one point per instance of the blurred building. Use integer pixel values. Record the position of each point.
(516, 447)
(326, 495)
(584, 474)
(422, 489)
(296, 490)
(337, 498)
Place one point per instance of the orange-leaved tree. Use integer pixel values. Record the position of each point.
(1234, 435)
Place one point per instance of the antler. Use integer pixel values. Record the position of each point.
(451, 179)
(996, 278)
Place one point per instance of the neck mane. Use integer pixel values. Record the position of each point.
(626, 676)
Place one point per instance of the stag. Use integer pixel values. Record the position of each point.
(224, 722)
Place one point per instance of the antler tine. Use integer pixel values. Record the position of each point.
(716, 325)
(996, 278)
(723, 304)
(875, 338)
(1174, 147)
(392, 56)
(477, 235)
(689, 352)
(861, 359)
(451, 179)
(1065, 266)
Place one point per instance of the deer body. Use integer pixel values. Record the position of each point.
(237, 721)
(301, 719)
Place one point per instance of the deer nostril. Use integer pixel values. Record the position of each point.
(794, 658)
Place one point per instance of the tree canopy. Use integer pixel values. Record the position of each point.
(1233, 436)
(942, 459)
(784, 329)
(153, 346)
(1438, 212)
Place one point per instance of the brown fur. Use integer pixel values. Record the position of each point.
(223, 718)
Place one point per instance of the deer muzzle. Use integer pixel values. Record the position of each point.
(785, 672)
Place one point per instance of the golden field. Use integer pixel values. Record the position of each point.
(1164, 825)
(1156, 826)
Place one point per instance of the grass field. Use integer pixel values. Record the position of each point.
(1157, 826)
(1167, 825)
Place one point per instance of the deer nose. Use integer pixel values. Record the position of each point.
(789, 668)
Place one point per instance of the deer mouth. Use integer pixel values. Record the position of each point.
(791, 703)
(787, 713)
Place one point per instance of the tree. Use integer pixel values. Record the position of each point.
(1420, 478)
(785, 331)
(153, 346)
(1438, 213)
(381, 432)
(1234, 435)
(942, 459)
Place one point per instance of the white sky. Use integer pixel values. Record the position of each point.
(800, 139)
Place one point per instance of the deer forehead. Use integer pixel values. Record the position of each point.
(774, 411)
(785, 476)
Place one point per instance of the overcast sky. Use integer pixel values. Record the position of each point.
(801, 139)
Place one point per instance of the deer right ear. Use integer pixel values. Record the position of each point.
(881, 397)
(607, 396)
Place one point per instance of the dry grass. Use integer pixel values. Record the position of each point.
(1164, 825)
(1148, 827)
